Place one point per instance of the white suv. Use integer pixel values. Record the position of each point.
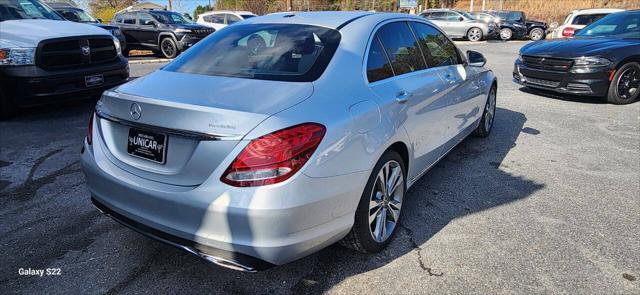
(579, 19)
(223, 18)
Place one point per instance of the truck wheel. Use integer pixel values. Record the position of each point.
(506, 34)
(625, 85)
(536, 34)
(8, 108)
(168, 47)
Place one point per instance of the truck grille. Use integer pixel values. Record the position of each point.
(74, 52)
(547, 63)
(201, 33)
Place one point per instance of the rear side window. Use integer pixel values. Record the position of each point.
(378, 66)
(401, 48)
(281, 52)
(587, 19)
(129, 19)
(438, 50)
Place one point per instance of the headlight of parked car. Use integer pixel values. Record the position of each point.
(116, 43)
(183, 30)
(591, 61)
(17, 56)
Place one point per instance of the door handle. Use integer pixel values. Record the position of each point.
(403, 96)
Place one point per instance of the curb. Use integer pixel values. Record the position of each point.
(149, 61)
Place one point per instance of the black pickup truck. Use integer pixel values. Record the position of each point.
(514, 25)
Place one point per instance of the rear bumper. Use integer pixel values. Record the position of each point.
(591, 84)
(252, 227)
(31, 85)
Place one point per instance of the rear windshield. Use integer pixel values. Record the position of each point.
(617, 25)
(587, 19)
(282, 52)
(26, 9)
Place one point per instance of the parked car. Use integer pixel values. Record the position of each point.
(514, 25)
(251, 154)
(45, 59)
(165, 32)
(459, 24)
(75, 14)
(603, 59)
(485, 17)
(579, 19)
(222, 18)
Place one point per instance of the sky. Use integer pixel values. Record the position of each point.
(182, 6)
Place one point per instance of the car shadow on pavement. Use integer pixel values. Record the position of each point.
(474, 177)
(565, 97)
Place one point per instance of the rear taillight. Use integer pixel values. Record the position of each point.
(568, 32)
(90, 131)
(274, 157)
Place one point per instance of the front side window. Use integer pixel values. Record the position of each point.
(145, 19)
(26, 9)
(378, 66)
(617, 25)
(401, 48)
(438, 50)
(452, 16)
(281, 52)
(130, 19)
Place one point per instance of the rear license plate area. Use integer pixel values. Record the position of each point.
(147, 145)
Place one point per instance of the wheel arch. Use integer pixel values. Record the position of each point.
(402, 149)
(165, 35)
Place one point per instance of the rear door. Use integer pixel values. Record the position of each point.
(461, 86)
(406, 89)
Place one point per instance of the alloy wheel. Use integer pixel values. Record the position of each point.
(475, 34)
(386, 201)
(167, 48)
(490, 110)
(536, 35)
(505, 34)
(629, 83)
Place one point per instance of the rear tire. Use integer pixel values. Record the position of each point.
(625, 85)
(474, 34)
(489, 114)
(536, 34)
(168, 47)
(378, 214)
(506, 34)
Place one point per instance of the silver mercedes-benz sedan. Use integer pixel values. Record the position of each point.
(272, 139)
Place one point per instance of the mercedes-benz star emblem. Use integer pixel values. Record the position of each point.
(135, 111)
(86, 50)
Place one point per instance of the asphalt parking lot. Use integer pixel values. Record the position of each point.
(547, 204)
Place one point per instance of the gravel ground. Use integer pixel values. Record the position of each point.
(547, 204)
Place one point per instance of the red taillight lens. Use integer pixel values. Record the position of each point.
(90, 131)
(568, 32)
(274, 157)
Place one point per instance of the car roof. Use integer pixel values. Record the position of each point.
(596, 10)
(227, 11)
(329, 19)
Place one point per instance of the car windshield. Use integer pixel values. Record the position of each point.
(512, 16)
(26, 9)
(618, 25)
(282, 52)
(77, 15)
(171, 18)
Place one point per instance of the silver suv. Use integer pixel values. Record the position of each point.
(459, 24)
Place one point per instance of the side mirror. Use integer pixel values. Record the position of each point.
(461, 18)
(476, 59)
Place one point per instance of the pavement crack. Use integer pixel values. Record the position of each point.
(417, 249)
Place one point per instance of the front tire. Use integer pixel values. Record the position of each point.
(506, 34)
(489, 114)
(168, 47)
(536, 34)
(625, 85)
(474, 34)
(379, 211)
